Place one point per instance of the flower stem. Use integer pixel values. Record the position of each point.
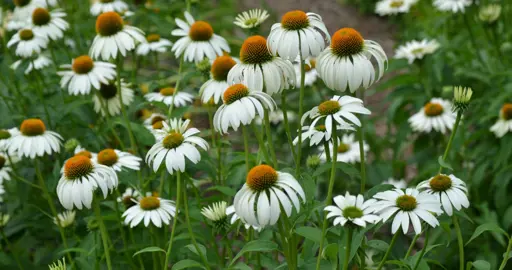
(347, 248)
(216, 145)
(123, 110)
(261, 143)
(14, 254)
(246, 147)
(177, 87)
(413, 243)
(506, 255)
(121, 229)
(386, 255)
(361, 153)
(448, 146)
(287, 125)
(269, 139)
(460, 241)
(301, 112)
(39, 91)
(103, 231)
(175, 222)
(423, 250)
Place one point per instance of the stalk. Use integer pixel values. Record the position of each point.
(175, 222)
(347, 249)
(460, 241)
(104, 233)
(393, 240)
(423, 250)
(123, 110)
(246, 147)
(301, 112)
(269, 139)
(287, 125)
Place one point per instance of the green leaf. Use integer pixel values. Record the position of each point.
(378, 245)
(481, 265)
(241, 266)
(255, 246)
(310, 233)
(76, 250)
(193, 249)
(493, 227)
(443, 163)
(379, 188)
(183, 264)
(224, 190)
(149, 249)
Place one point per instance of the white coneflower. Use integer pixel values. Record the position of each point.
(240, 107)
(84, 74)
(216, 213)
(318, 134)
(117, 159)
(449, 190)
(40, 62)
(416, 50)
(351, 210)
(150, 209)
(5, 137)
(28, 42)
(167, 96)
(49, 24)
(234, 218)
(397, 183)
(197, 40)
(34, 140)
(22, 10)
(454, 6)
(179, 143)
(109, 98)
(410, 206)
(504, 123)
(80, 179)
(155, 123)
(337, 110)
(436, 114)
(65, 219)
(251, 19)
(490, 13)
(155, 43)
(214, 88)
(298, 34)
(102, 6)
(276, 117)
(155, 118)
(265, 191)
(461, 98)
(114, 37)
(348, 150)
(6, 166)
(393, 7)
(346, 64)
(58, 265)
(260, 70)
(129, 197)
(310, 74)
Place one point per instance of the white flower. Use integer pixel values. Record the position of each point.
(49, 24)
(266, 190)
(102, 6)
(436, 115)
(167, 95)
(117, 159)
(335, 111)
(400, 183)
(150, 209)
(461, 98)
(154, 44)
(84, 74)
(80, 179)
(214, 88)
(177, 145)
(310, 74)
(347, 151)
(409, 207)
(489, 13)
(58, 265)
(197, 40)
(216, 211)
(6, 166)
(449, 190)
(65, 219)
(393, 7)
(114, 37)
(261, 71)
(34, 140)
(414, 49)
(347, 62)
(155, 118)
(128, 196)
(231, 211)
(504, 123)
(350, 209)
(108, 97)
(45, 3)
(39, 63)
(251, 18)
(22, 12)
(276, 117)
(452, 5)
(298, 34)
(318, 134)
(155, 123)
(28, 42)
(6, 136)
(2, 192)
(240, 107)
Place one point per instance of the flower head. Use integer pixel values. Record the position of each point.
(435, 115)
(416, 50)
(168, 96)
(215, 87)
(216, 213)
(504, 123)
(453, 6)
(65, 219)
(449, 190)
(50, 25)
(117, 159)
(155, 43)
(101, 6)
(150, 209)
(109, 99)
(58, 265)
(490, 13)
(462, 96)
(251, 19)
(34, 140)
(351, 210)
(28, 42)
(393, 7)
(85, 74)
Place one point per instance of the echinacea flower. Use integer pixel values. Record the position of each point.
(167, 96)
(22, 10)
(178, 143)
(155, 118)
(108, 98)
(461, 98)
(407, 207)
(260, 70)
(336, 111)
(155, 43)
(150, 209)
(217, 84)
(34, 140)
(216, 213)
(80, 179)
(416, 50)
(318, 134)
(310, 74)
(277, 116)
(117, 159)
(436, 114)
(348, 150)
(351, 210)
(155, 123)
(197, 40)
(397, 183)
(58, 265)
(449, 190)
(5, 137)
(49, 24)
(102, 6)
(251, 19)
(240, 107)
(40, 62)
(298, 34)
(490, 13)
(230, 210)
(114, 37)
(504, 123)
(454, 6)
(129, 197)
(84, 74)
(65, 219)
(28, 42)
(6, 166)
(393, 7)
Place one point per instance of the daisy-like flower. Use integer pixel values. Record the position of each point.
(40, 62)
(128, 197)
(84, 74)
(410, 206)
(393, 7)
(251, 19)
(28, 42)
(5, 137)
(217, 84)
(155, 123)
(109, 98)
(34, 140)
(114, 37)
(461, 98)
(102, 6)
(277, 116)
(454, 6)
(504, 123)
(154, 44)
(490, 13)
(318, 134)
(65, 219)
(310, 74)
(260, 70)
(216, 213)
(351, 210)
(22, 10)
(298, 34)
(347, 151)
(240, 107)
(49, 24)
(117, 159)
(397, 183)
(416, 50)
(58, 265)
(336, 111)
(178, 144)
(449, 190)
(80, 179)
(150, 209)
(197, 40)
(167, 96)
(258, 202)
(436, 114)
(234, 218)
(347, 62)
(6, 166)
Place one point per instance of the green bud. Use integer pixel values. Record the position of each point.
(461, 98)
(313, 161)
(71, 144)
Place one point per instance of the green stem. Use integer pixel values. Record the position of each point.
(347, 248)
(121, 229)
(287, 125)
(269, 139)
(175, 221)
(284, 243)
(103, 231)
(246, 147)
(14, 254)
(423, 250)
(361, 153)
(157, 259)
(261, 143)
(386, 255)
(162, 181)
(507, 255)
(448, 146)
(39, 91)
(132, 240)
(460, 241)
(327, 151)
(301, 112)
(104, 104)
(215, 145)
(123, 109)
(413, 243)
(176, 89)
